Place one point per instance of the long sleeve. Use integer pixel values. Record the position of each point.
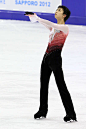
(34, 18)
(60, 27)
(48, 24)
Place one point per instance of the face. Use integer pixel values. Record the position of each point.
(59, 13)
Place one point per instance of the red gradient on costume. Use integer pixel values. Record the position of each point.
(57, 42)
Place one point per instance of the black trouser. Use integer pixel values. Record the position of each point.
(53, 63)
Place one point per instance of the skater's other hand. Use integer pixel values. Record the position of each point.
(33, 18)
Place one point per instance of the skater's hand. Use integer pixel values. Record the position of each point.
(33, 18)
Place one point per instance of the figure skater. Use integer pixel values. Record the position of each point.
(52, 62)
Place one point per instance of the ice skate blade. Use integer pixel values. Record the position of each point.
(40, 118)
(71, 121)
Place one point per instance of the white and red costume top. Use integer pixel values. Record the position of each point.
(58, 33)
(56, 40)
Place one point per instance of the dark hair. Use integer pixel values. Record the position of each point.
(66, 11)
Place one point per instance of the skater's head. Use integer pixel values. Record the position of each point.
(62, 13)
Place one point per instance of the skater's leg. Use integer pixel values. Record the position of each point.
(44, 82)
(64, 93)
(56, 66)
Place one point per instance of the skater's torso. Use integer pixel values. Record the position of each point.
(56, 40)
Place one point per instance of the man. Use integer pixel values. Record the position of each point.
(52, 62)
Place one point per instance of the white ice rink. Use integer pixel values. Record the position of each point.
(22, 46)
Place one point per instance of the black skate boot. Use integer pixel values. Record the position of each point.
(40, 114)
(69, 118)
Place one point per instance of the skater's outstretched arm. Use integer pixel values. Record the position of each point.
(50, 24)
(33, 18)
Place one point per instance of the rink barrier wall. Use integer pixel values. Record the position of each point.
(19, 15)
(78, 11)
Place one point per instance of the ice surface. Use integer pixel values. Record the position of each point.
(22, 46)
